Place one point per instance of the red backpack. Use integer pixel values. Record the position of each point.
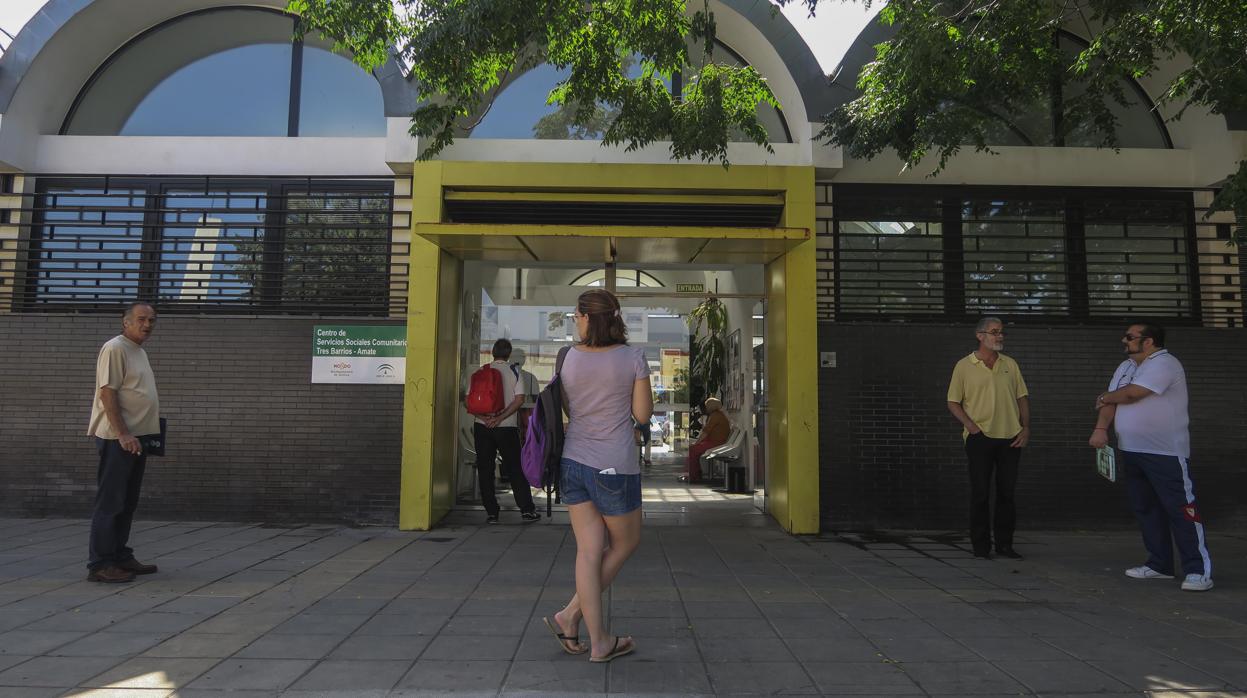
(485, 391)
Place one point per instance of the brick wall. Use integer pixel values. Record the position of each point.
(250, 437)
(891, 454)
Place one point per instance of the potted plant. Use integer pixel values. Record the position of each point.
(708, 364)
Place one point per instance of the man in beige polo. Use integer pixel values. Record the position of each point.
(988, 396)
(126, 408)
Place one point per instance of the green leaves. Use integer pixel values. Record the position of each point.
(462, 52)
(708, 325)
(955, 72)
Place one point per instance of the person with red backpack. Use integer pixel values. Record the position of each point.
(493, 400)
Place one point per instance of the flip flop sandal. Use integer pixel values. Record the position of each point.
(615, 652)
(564, 639)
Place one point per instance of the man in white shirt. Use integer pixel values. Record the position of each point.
(499, 433)
(1147, 401)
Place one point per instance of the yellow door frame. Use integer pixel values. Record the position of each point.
(431, 395)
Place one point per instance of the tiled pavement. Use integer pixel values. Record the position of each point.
(319, 610)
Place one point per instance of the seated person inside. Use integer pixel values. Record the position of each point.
(713, 433)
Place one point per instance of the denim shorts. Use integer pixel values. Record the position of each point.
(613, 495)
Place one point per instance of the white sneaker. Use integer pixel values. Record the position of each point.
(1145, 572)
(1196, 582)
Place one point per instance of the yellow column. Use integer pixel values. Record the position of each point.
(430, 396)
(792, 368)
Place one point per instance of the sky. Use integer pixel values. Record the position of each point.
(828, 34)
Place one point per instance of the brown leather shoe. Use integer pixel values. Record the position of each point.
(110, 574)
(137, 567)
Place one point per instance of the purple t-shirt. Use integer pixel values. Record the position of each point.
(599, 407)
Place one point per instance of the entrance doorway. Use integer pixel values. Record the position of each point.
(532, 305)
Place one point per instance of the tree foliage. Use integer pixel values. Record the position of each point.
(462, 51)
(943, 82)
(953, 67)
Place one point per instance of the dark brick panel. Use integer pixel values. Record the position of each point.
(250, 437)
(891, 454)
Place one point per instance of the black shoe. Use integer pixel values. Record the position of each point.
(530, 516)
(984, 554)
(491, 519)
(1008, 552)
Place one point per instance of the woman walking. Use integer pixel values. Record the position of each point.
(606, 383)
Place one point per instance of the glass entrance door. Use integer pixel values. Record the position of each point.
(532, 308)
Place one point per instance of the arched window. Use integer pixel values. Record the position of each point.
(1138, 123)
(228, 72)
(624, 278)
(520, 109)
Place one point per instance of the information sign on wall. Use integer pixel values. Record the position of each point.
(359, 354)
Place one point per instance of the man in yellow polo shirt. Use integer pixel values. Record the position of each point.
(988, 396)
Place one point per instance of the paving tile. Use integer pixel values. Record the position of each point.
(743, 649)
(484, 648)
(562, 676)
(401, 625)
(732, 627)
(353, 675)
(348, 606)
(491, 607)
(1102, 647)
(834, 650)
(664, 678)
(888, 628)
(1159, 675)
(455, 676)
(487, 625)
(199, 645)
(75, 620)
(924, 649)
(36, 692)
(54, 671)
(861, 678)
(32, 642)
(109, 645)
(152, 672)
(377, 647)
(814, 627)
(245, 622)
(8, 660)
(778, 677)
(646, 609)
(444, 608)
(1018, 648)
(255, 674)
(1061, 677)
(654, 627)
(119, 693)
(274, 646)
(721, 609)
(666, 649)
(961, 678)
(158, 622)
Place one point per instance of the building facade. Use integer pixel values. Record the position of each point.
(257, 188)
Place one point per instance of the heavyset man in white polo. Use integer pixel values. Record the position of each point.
(1147, 402)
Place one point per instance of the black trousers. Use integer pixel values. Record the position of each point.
(118, 478)
(992, 457)
(490, 442)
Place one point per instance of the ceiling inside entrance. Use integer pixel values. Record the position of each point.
(628, 227)
(563, 245)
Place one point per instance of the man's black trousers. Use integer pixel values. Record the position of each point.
(490, 442)
(118, 481)
(992, 457)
